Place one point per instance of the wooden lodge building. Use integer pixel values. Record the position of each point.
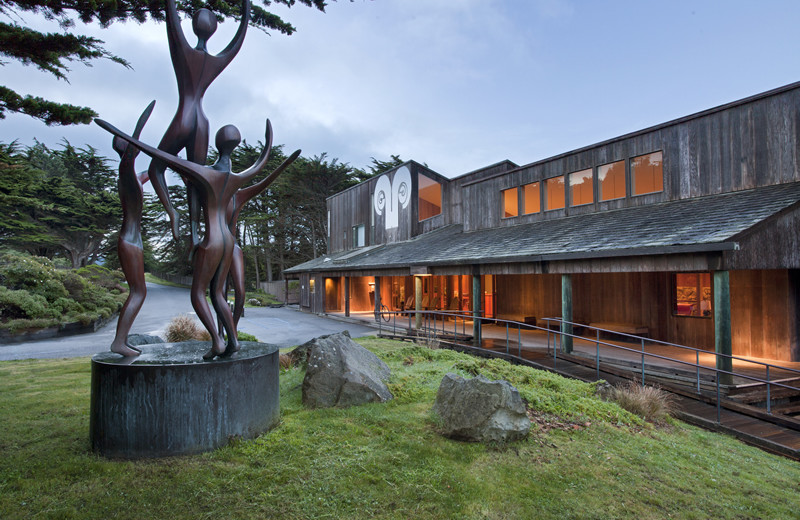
(688, 232)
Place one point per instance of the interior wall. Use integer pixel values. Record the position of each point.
(334, 294)
(763, 308)
(362, 294)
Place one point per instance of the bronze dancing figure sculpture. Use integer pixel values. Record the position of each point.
(129, 243)
(217, 186)
(195, 69)
(241, 198)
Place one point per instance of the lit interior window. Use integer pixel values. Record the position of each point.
(581, 187)
(430, 197)
(611, 178)
(693, 294)
(530, 195)
(510, 203)
(554, 193)
(647, 174)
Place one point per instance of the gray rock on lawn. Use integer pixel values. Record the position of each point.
(343, 373)
(481, 410)
(299, 355)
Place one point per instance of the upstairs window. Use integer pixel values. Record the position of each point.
(611, 178)
(581, 187)
(692, 294)
(554, 193)
(430, 197)
(510, 200)
(531, 198)
(359, 236)
(647, 174)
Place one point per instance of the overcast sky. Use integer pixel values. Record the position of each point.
(456, 84)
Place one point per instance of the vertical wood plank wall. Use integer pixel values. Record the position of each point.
(743, 146)
(763, 307)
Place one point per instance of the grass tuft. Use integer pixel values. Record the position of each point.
(651, 403)
(183, 328)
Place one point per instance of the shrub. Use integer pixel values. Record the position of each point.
(15, 326)
(102, 276)
(244, 336)
(21, 304)
(648, 402)
(36, 275)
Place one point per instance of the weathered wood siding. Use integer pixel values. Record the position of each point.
(774, 244)
(740, 146)
(354, 207)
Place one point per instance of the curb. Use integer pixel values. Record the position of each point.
(56, 331)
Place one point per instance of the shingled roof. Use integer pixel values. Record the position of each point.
(709, 223)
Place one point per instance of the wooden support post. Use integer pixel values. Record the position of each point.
(566, 312)
(794, 314)
(347, 296)
(377, 298)
(722, 324)
(476, 309)
(418, 301)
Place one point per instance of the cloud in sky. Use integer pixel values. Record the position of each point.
(456, 84)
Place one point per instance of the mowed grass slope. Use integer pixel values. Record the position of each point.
(585, 458)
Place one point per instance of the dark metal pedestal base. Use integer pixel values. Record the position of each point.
(168, 401)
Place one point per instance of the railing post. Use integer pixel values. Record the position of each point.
(769, 400)
(719, 412)
(548, 341)
(642, 361)
(506, 337)
(697, 362)
(519, 341)
(598, 351)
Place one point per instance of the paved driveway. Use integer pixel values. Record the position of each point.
(284, 327)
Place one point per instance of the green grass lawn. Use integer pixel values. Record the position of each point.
(585, 458)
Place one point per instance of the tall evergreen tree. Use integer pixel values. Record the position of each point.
(52, 52)
(57, 201)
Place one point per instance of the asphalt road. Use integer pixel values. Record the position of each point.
(284, 327)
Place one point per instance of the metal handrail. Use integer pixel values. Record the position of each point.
(666, 343)
(519, 325)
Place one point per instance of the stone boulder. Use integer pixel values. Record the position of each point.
(299, 354)
(342, 373)
(481, 410)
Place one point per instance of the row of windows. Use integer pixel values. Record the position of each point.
(647, 176)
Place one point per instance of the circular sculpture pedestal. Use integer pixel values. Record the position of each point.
(168, 401)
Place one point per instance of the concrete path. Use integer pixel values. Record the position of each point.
(284, 327)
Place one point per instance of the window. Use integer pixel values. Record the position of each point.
(647, 174)
(693, 294)
(430, 197)
(531, 199)
(510, 202)
(359, 235)
(611, 178)
(554, 193)
(581, 187)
